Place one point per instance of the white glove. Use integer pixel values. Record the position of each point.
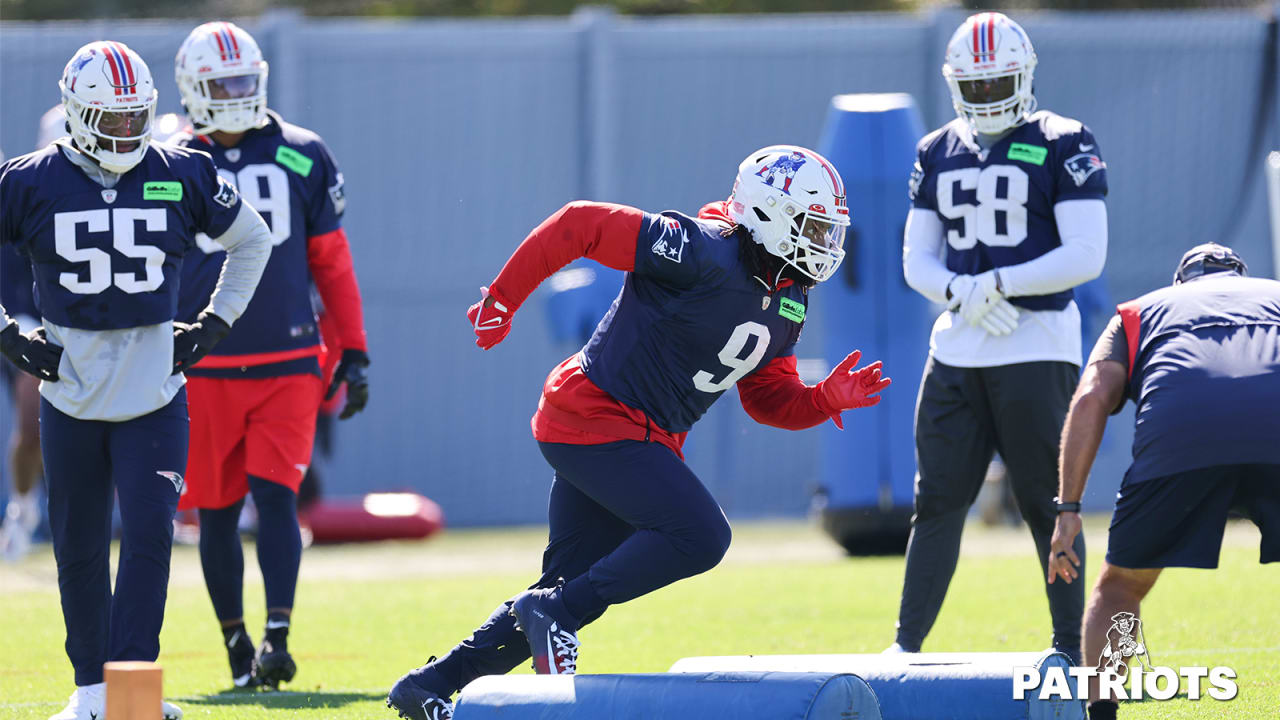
(1001, 319)
(978, 300)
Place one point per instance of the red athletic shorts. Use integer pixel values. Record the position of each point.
(241, 427)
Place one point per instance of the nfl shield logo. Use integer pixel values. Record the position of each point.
(764, 304)
(233, 155)
(109, 196)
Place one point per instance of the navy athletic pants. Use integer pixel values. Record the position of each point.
(85, 461)
(626, 518)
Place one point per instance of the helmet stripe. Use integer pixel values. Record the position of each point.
(991, 37)
(222, 49)
(976, 42)
(836, 183)
(235, 46)
(132, 81)
(110, 54)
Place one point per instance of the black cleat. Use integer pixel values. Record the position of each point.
(551, 631)
(420, 695)
(274, 664)
(240, 656)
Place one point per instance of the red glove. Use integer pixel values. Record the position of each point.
(846, 388)
(490, 318)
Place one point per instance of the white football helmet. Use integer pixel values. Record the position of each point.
(222, 78)
(109, 99)
(793, 202)
(988, 68)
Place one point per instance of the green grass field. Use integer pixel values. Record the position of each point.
(365, 614)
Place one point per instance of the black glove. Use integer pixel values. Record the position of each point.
(30, 353)
(192, 342)
(351, 370)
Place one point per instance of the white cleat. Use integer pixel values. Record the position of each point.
(88, 702)
(894, 649)
(169, 711)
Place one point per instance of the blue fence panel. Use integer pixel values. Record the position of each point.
(458, 136)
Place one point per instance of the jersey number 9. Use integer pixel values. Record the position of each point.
(739, 367)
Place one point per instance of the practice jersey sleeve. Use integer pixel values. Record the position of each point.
(215, 204)
(668, 250)
(604, 232)
(775, 395)
(1080, 172)
(328, 199)
(9, 201)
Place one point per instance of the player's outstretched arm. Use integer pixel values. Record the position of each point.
(329, 258)
(31, 353)
(774, 395)
(604, 232)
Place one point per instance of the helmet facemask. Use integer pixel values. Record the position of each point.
(230, 103)
(992, 103)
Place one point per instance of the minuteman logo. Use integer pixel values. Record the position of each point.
(1126, 640)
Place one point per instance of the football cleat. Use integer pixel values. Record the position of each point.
(89, 702)
(240, 655)
(274, 664)
(552, 633)
(420, 695)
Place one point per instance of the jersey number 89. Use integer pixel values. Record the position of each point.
(1000, 217)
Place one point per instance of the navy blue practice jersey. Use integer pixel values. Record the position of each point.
(997, 205)
(691, 321)
(110, 258)
(287, 174)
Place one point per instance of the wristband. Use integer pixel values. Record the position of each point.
(1067, 506)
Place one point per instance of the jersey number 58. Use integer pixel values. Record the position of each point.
(999, 219)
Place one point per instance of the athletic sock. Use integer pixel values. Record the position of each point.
(279, 540)
(229, 633)
(277, 632)
(1103, 710)
(222, 560)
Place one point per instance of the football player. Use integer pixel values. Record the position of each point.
(1007, 217)
(708, 303)
(1201, 361)
(254, 400)
(105, 217)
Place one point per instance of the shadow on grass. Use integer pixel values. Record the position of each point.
(288, 699)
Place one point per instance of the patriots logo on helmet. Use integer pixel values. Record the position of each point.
(1083, 165)
(76, 65)
(786, 166)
